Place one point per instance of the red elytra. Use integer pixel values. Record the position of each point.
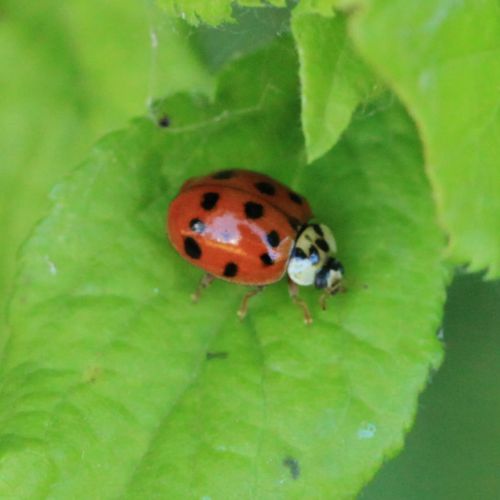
(237, 225)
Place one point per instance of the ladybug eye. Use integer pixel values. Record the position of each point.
(335, 265)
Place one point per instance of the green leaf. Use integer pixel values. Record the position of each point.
(72, 75)
(443, 59)
(333, 79)
(214, 12)
(253, 29)
(114, 385)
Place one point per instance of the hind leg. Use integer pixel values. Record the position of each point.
(242, 311)
(205, 281)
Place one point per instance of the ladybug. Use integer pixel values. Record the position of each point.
(247, 228)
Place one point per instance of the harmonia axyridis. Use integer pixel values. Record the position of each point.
(250, 229)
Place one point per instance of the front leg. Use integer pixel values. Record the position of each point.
(335, 288)
(293, 290)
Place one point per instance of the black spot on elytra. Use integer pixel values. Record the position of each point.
(209, 200)
(299, 253)
(273, 238)
(265, 188)
(318, 230)
(293, 465)
(216, 355)
(230, 270)
(196, 225)
(223, 174)
(295, 223)
(295, 198)
(266, 259)
(164, 121)
(192, 248)
(322, 244)
(254, 210)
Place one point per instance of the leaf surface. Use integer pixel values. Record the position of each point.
(443, 60)
(73, 74)
(114, 385)
(333, 79)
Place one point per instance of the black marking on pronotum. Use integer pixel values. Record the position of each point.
(266, 259)
(223, 174)
(299, 253)
(322, 244)
(265, 188)
(295, 223)
(216, 355)
(196, 225)
(164, 121)
(318, 230)
(230, 270)
(192, 248)
(273, 238)
(293, 465)
(295, 198)
(254, 210)
(209, 200)
(313, 254)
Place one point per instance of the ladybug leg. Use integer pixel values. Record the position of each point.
(293, 290)
(242, 311)
(336, 288)
(204, 282)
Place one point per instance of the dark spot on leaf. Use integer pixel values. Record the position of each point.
(293, 465)
(253, 210)
(265, 188)
(164, 121)
(266, 259)
(216, 355)
(224, 174)
(230, 270)
(273, 238)
(295, 198)
(91, 374)
(322, 244)
(196, 225)
(209, 200)
(192, 248)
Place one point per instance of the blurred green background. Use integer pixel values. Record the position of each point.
(453, 450)
(73, 71)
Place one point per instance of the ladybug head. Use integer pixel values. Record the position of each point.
(313, 258)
